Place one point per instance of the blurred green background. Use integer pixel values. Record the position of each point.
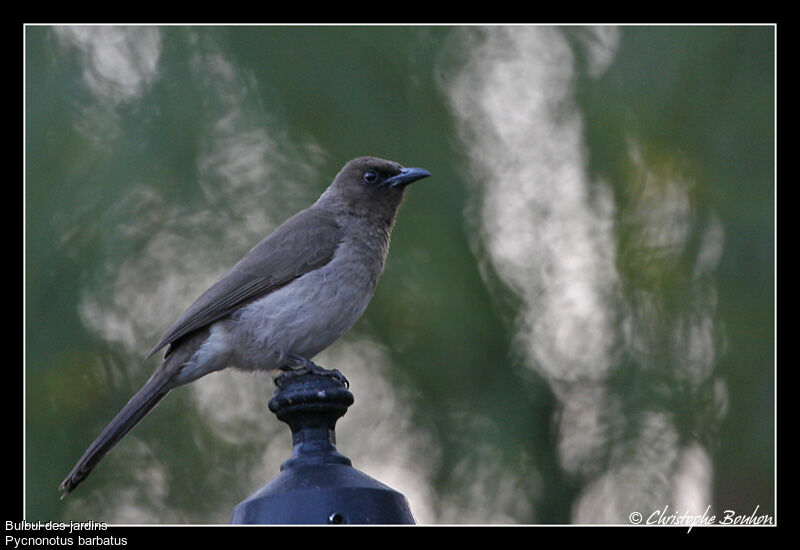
(576, 320)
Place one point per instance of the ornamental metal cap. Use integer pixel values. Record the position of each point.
(318, 484)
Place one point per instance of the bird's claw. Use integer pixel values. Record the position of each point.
(302, 366)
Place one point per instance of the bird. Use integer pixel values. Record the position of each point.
(291, 296)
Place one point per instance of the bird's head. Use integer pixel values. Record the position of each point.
(368, 186)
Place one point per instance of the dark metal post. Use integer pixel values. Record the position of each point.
(318, 484)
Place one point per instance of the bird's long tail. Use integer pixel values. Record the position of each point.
(139, 405)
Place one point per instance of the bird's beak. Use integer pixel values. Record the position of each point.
(406, 176)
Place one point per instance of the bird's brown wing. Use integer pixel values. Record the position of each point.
(305, 242)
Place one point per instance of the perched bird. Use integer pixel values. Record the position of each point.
(290, 297)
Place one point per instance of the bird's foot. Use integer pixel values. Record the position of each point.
(301, 365)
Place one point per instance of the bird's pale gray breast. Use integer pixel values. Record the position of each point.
(313, 311)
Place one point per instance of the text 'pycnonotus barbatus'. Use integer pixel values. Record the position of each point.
(290, 297)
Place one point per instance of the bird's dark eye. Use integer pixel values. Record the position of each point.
(370, 176)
